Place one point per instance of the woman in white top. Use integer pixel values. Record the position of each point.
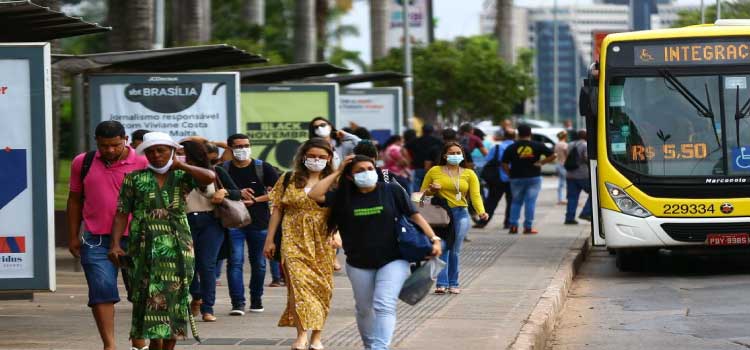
(342, 142)
(561, 151)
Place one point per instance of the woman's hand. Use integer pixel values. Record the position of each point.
(435, 187)
(484, 216)
(219, 196)
(269, 249)
(348, 159)
(437, 248)
(114, 254)
(335, 241)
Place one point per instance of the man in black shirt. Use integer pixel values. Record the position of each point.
(522, 161)
(254, 177)
(424, 151)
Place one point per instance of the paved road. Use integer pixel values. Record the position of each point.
(681, 303)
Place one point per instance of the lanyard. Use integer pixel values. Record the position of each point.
(457, 183)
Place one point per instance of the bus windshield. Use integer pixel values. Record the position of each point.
(670, 125)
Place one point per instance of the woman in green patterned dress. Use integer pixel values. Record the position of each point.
(160, 259)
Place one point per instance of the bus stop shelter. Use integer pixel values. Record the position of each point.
(288, 72)
(348, 79)
(23, 21)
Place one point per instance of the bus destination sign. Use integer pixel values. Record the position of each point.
(674, 54)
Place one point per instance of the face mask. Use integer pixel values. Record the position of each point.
(455, 159)
(366, 179)
(315, 165)
(242, 154)
(181, 158)
(323, 131)
(165, 168)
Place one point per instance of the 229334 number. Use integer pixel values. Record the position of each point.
(681, 209)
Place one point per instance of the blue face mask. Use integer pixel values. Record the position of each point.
(366, 179)
(455, 159)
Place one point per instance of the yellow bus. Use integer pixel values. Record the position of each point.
(668, 114)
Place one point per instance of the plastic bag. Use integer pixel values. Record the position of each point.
(420, 282)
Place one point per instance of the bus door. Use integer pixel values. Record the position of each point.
(587, 105)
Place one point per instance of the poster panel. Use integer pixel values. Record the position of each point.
(419, 27)
(276, 117)
(377, 109)
(190, 104)
(26, 239)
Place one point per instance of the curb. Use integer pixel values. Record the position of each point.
(541, 322)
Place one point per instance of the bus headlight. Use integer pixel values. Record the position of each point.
(627, 204)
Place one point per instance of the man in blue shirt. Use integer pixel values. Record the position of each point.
(496, 192)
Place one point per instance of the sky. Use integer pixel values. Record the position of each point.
(455, 18)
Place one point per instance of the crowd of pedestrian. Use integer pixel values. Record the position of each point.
(149, 208)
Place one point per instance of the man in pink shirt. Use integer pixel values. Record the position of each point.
(93, 200)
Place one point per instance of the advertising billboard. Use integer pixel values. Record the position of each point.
(276, 117)
(189, 104)
(26, 187)
(377, 109)
(419, 23)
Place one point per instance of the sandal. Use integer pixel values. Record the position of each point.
(304, 347)
(454, 290)
(440, 290)
(317, 347)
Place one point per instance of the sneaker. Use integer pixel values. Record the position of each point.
(571, 222)
(585, 217)
(513, 230)
(530, 231)
(257, 306)
(467, 239)
(275, 284)
(237, 311)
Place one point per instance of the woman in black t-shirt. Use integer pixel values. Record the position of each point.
(365, 212)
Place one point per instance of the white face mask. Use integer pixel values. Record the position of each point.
(181, 158)
(366, 179)
(323, 131)
(165, 168)
(315, 165)
(242, 154)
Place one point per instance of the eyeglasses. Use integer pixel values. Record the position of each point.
(241, 146)
(313, 156)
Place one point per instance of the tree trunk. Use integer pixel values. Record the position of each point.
(57, 85)
(255, 12)
(191, 22)
(304, 31)
(132, 24)
(504, 29)
(379, 22)
(321, 30)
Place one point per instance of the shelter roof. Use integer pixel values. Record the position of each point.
(280, 73)
(23, 21)
(348, 79)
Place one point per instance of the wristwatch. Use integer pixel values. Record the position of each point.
(435, 238)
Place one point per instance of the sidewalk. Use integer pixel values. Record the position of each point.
(502, 277)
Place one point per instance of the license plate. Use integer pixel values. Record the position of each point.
(721, 239)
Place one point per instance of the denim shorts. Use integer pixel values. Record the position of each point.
(101, 274)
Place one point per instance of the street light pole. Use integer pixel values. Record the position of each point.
(703, 13)
(555, 54)
(718, 10)
(408, 81)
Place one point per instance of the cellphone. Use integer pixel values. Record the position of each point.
(126, 261)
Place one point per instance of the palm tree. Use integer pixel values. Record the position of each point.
(254, 12)
(504, 29)
(57, 84)
(304, 31)
(191, 21)
(322, 14)
(379, 23)
(132, 24)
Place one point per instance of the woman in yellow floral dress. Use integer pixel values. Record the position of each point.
(307, 248)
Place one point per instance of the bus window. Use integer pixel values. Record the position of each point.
(736, 96)
(655, 130)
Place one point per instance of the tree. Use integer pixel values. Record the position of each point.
(504, 28)
(304, 31)
(191, 20)
(379, 23)
(254, 12)
(467, 76)
(729, 10)
(57, 85)
(132, 24)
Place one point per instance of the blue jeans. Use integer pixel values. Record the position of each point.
(101, 273)
(208, 236)
(575, 186)
(275, 270)
(561, 173)
(255, 240)
(525, 191)
(375, 298)
(449, 276)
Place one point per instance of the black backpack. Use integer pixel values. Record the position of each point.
(491, 171)
(572, 163)
(88, 159)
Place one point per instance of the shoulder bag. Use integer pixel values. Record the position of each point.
(232, 213)
(435, 215)
(413, 244)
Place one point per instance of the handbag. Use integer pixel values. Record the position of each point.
(435, 215)
(491, 171)
(420, 282)
(413, 244)
(232, 213)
